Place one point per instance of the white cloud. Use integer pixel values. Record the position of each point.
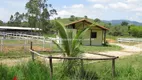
(80, 11)
(139, 14)
(102, 1)
(16, 3)
(119, 5)
(99, 6)
(64, 13)
(139, 9)
(10, 7)
(64, 6)
(132, 1)
(5, 14)
(78, 6)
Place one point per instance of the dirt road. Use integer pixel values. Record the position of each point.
(127, 50)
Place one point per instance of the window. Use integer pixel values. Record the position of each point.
(93, 34)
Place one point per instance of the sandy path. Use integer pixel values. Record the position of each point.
(127, 50)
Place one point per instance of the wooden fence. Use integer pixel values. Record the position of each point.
(112, 58)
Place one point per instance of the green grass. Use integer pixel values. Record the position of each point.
(126, 69)
(100, 48)
(14, 54)
(129, 68)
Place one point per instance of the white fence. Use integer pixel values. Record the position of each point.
(24, 44)
(129, 40)
(22, 36)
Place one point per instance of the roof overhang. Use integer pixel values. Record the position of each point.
(85, 20)
(19, 28)
(81, 20)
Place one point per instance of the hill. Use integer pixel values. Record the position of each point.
(67, 20)
(116, 22)
(113, 22)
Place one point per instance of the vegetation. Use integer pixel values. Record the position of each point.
(70, 42)
(14, 54)
(70, 46)
(119, 30)
(136, 31)
(124, 23)
(38, 14)
(98, 71)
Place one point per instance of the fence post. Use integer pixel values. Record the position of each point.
(1, 44)
(25, 44)
(43, 44)
(51, 67)
(113, 67)
(82, 69)
(31, 52)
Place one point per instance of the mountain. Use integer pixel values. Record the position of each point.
(114, 22)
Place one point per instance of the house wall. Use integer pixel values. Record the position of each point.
(94, 41)
(98, 40)
(86, 37)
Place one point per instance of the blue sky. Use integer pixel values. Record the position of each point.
(102, 9)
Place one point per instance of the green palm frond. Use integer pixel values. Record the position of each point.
(70, 43)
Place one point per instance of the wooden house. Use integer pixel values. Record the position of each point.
(96, 35)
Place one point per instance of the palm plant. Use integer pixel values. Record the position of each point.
(70, 45)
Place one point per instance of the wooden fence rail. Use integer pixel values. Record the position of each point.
(73, 58)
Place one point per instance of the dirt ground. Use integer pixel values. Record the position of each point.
(7, 49)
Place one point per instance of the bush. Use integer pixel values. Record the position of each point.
(136, 31)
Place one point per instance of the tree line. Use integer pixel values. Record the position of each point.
(38, 15)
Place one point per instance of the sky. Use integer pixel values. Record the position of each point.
(102, 9)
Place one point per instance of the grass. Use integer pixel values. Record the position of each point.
(100, 48)
(128, 68)
(14, 54)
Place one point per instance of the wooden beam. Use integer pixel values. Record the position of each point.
(74, 58)
(83, 24)
(104, 36)
(81, 69)
(32, 52)
(90, 37)
(51, 67)
(113, 67)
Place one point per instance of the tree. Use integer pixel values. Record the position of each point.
(70, 44)
(58, 17)
(18, 19)
(136, 31)
(11, 21)
(97, 20)
(86, 17)
(1, 23)
(38, 14)
(124, 23)
(72, 18)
